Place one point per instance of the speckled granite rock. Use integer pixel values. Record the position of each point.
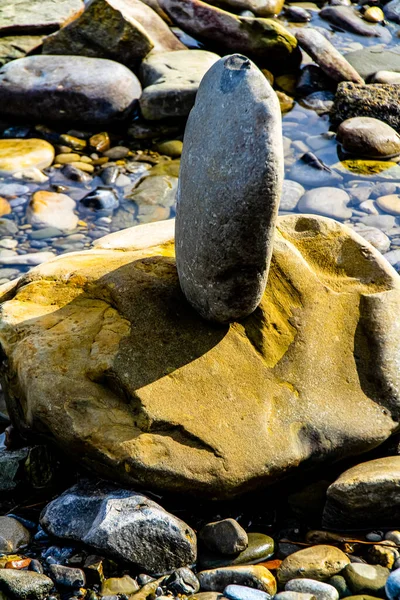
(380, 101)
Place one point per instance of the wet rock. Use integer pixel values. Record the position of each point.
(24, 585)
(49, 209)
(260, 548)
(383, 554)
(171, 80)
(117, 152)
(379, 101)
(172, 148)
(67, 577)
(20, 154)
(372, 59)
(313, 79)
(326, 56)
(321, 591)
(318, 562)
(374, 14)
(37, 16)
(253, 576)
(225, 282)
(67, 88)
(119, 585)
(242, 592)
(378, 480)
(297, 14)
(75, 174)
(225, 537)
(392, 11)
(368, 137)
(120, 30)
(366, 579)
(13, 535)
(101, 199)
(109, 519)
(155, 190)
(182, 582)
(384, 222)
(321, 102)
(265, 39)
(339, 583)
(346, 18)
(311, 171)
(291, 194)
(115, 333)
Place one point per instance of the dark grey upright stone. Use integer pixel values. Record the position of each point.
(229, 190)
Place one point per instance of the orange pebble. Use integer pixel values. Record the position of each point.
(272, 565)
(18, 564)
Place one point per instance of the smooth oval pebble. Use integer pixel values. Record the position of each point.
(327, 201)
(390, 204)
(392, 587)
(254, 576)
(19, 155)
(374, 14)
(322, 591)
(317, 562)
(369, 137)
(242, 592)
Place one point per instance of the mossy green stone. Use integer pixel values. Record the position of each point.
(260, 548)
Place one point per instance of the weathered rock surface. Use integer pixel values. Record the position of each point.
(124, 352)
(331, 61)
(368, 137)
(18, 46)
(120, 30)
(171, 80)
(379, 101)
(67, 88)
(319, 562)
(17, 155)
(37, 16)
(260, 548)
(366, 493)
(13, 535)
(121, 523)
(264, 39)
(225, 537)
(366, 579)
(24, 585)
(231, 169)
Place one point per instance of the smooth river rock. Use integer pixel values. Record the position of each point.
(320, 590)
(171, 80)
(49, 209)
(37, 16)
(253, 576)
(19, 154)
(66, 88)
(369, 60)
(365, 136)
(264, 39)
(366, 495)
(24, 585)
(120, 30)
(318, 562)
(231, 169)
(260, 8)
(225, 537)
(327, 201)
(260, 548)
(103, 351)
(331, 61)
(122, 523)
(347, 19)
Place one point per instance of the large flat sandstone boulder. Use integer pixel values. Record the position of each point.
(104, 355)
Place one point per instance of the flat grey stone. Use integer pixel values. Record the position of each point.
(231, 170)
(13, 536)
(291, 194)
(326, 201)
(321, 591)
(225, 537)
(66, 88)
(346, 18)
(171, 80)
(376, 58)
(122, 523)
(37, 16)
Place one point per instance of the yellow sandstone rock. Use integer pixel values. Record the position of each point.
(106, 356)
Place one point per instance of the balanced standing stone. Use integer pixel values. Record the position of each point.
(230, 184)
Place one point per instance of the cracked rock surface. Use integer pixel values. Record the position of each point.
(103, 354)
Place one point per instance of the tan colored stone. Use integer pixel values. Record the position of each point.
(18, 155)
(317, 562)
(5, 208)
(253, 576)
(64, 158)
(390, 204)
(49, 209)
(83, 166)
(261, 8)
(106, 356)
(121, 30)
